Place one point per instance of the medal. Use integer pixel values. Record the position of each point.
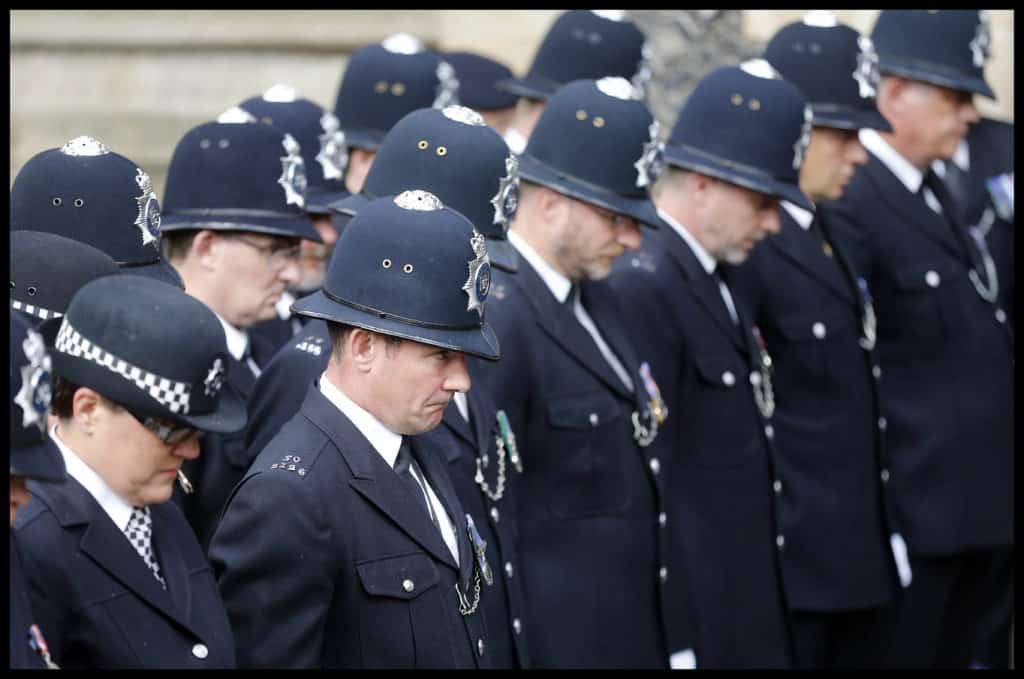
(761, 381)
(655, 411)
(509, 441)
(868, 321)
(480, 549)
(38, 644)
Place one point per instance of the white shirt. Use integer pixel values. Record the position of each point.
(119, 511)
(704, 257)
(284, 305)
(462, 404)
(909, 176)
(238, 341)
(560, 286)
(387, 443)
(515, 140)
(800, 215)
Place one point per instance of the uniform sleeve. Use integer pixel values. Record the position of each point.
(271, 556)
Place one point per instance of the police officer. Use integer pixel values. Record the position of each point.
(381, 83)
(593, 565)
(581, 44)
(233, 219)
(945, 351)
(86, 192)
(32, 456)
(477, 76)
(46, 272)
(325, 157)
(466, 163)
(817, 320)
(117, 579)
(390, 573)
(735, 149)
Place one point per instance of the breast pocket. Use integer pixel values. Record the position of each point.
(925, 308)
(804, 346)
(403, 610)
(588, 453)
(724, 415)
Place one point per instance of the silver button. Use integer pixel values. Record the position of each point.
(594, 419)
(508, 568)
(780, 541)
(408, 585)
(480, 647)
(655, 466)
(200, 651)
(1000, 315)
(769, 431)
(885, 476)
(663, 574)
(517, 626)
(877, 372)
(728, 379)
(662, 519)
(495, 515)
(933, 279)
(755, 378)
(882, 423)
(777, 486)
(818, 330)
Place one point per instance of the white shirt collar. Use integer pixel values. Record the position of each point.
(515, 140)
(383, 440)
(556, 282)
(909, 176)
(462, 404)
(236, 338)
(800, 215)
(284, 305)
(703, 256)
(119, 511)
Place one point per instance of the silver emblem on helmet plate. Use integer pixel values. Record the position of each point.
(642, 76)
(866, 73)
(479, 282)
(236, 115)
(402, 43)
(34, 396)
(464, 115)
(148, 220)
(280, 93)
(418, 200)
(506, 200)
(333, 156)
(981, 46)
(651, 162)
(617, 87)
(448, 86)
(214, 378)
(800, 147)
(293, 174)
(821, 18)
(760, 68)
(84, 146)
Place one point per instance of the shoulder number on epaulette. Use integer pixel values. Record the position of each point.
(290, 463)
(311, 345)
(642, 260)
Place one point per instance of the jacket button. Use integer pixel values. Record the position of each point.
(777, 486)
(508, 568)
(885, 476)
(1000, 315)
(495, 515)
(728, 379)
(662, 519)
(200, 651)
(780, 541)
(408, 585)
(755, 379)
(876, 371)
(655, 466)
(517, 626)
(933, 279)
(480, 647)
(663, 574)
(882, 423)
(818, 330)
(594, 419)
(769, 431)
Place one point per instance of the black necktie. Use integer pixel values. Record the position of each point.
(951, 213)
(405, 465)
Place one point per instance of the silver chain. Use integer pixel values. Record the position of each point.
(479, 478)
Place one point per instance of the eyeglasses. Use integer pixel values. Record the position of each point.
(614, 218)
(169, 433)
(277, 255)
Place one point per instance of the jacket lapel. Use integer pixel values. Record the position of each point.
(805, 251)
(372, 478)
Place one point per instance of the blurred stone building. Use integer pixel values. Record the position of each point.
(138, 80)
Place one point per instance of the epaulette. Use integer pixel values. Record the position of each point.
(295, 464)
(642, 260)
(312, 344)
(499, 291)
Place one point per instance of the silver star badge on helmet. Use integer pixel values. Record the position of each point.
(506, 200)
(866, 73)
(293, 173)
(479, 282)
(214, 378)
(34, 396)
(148, 220)
(981, 46)
(333, 156)
(800, 147)
(448, 86)
(651, 162)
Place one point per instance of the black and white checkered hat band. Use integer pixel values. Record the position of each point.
(32, 310)
(170, 393)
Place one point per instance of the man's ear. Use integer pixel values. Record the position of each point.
(85, 406)
(362, 347)
(206, 248)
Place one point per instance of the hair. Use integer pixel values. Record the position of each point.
(339, 332)
(177, 244)
(62, 401)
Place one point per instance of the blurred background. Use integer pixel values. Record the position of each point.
(138, 80)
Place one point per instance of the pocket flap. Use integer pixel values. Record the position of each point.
(585, 411)
(401, 577)
(926, 275)
(721, 370)
(804, 327)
